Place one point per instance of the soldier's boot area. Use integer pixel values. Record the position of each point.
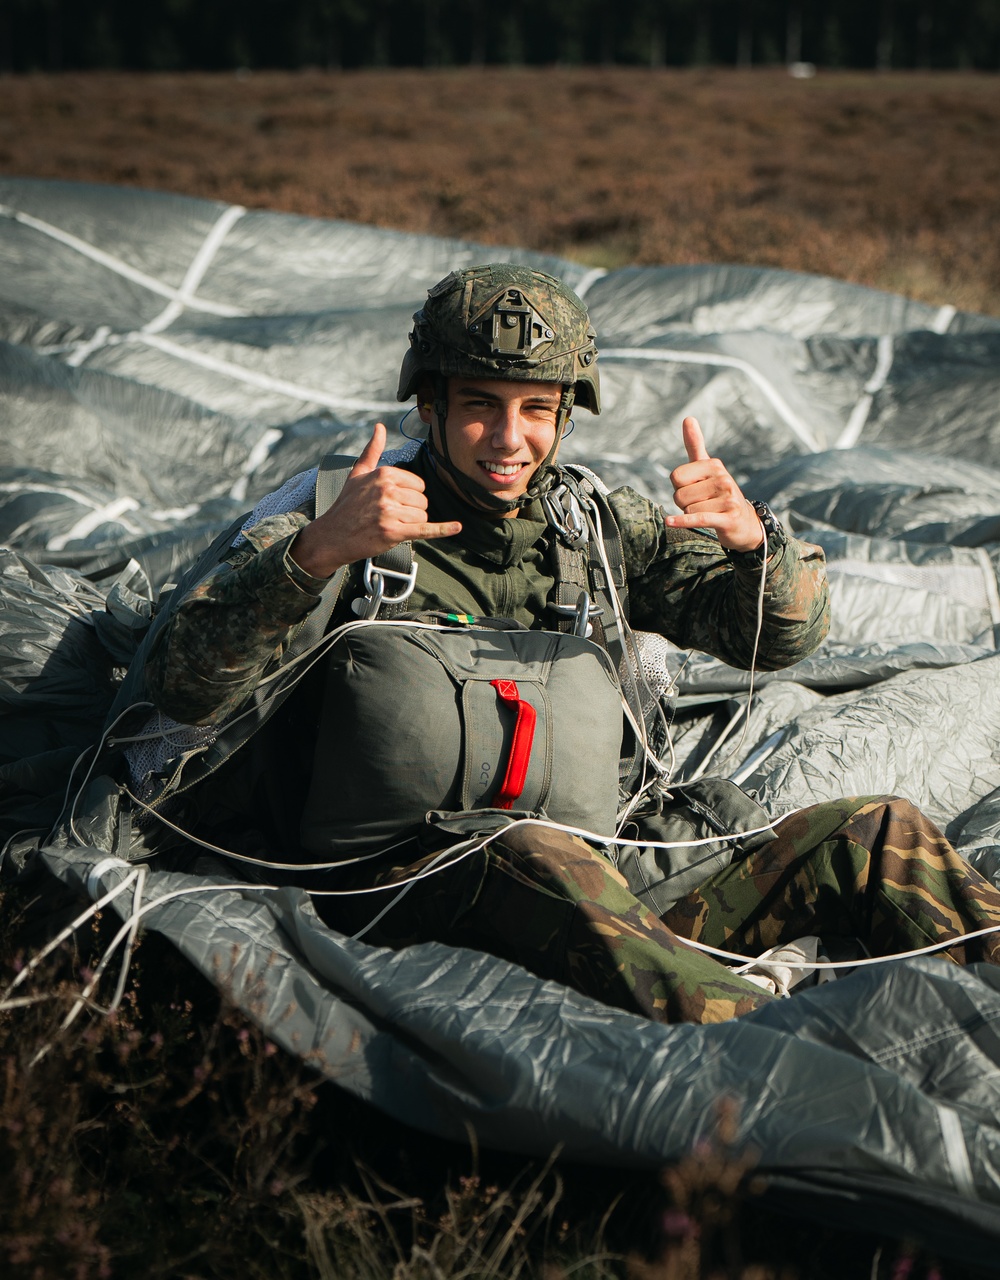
(871, 867)
(549, 902)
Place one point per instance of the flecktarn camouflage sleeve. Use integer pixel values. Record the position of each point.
(684, 586)
(224, 633)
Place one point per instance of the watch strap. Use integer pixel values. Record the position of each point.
(774, 537)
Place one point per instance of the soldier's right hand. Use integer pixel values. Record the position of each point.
(378, 508)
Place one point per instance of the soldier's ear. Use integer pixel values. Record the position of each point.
(425, 402)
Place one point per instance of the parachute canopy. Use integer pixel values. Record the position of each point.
(165, 362)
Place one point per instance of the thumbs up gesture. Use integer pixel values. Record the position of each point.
(709, 497)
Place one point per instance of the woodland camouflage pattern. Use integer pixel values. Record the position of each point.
(682, 584)
(872, 869)
(549, 902)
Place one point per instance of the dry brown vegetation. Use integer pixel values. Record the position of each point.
(890, 180)
(171, 1139)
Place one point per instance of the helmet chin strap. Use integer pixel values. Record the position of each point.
(476, 494)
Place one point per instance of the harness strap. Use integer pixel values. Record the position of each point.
(331, 476)
(579, 566)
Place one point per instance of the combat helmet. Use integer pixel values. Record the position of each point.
(507, 322)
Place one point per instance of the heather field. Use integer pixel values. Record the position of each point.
(171, 1140)
(890, 180)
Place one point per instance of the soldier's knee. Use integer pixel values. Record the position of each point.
(900, 809)
(888, 806)
(896, 807)
(897, 819)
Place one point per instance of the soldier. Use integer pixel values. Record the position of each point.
(498, 356)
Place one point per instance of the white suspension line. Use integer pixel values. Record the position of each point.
(590, 279)
(117, 265)
(293, 390)
(942, 321)
(94, 519)
(196, 271)
(885, 353)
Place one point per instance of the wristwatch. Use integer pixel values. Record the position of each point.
(774, 536)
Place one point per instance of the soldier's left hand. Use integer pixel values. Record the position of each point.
(709, 497)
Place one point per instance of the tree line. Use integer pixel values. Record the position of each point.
(54, 35)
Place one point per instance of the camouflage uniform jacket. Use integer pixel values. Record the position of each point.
(235, 624)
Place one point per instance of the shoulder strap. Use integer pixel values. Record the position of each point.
(331, 476)
(592, 559)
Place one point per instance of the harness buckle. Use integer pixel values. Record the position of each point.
(565, 515)
(581, 613)
(368, 605)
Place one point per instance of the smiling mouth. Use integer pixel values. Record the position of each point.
(503, 469)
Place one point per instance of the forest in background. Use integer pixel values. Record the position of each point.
(55, 35)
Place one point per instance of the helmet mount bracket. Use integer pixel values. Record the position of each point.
(511, 328)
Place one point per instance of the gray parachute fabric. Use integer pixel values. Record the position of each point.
(166, 362)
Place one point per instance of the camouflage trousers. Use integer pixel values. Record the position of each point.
(871, 869)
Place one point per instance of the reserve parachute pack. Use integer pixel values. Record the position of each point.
(460, 715)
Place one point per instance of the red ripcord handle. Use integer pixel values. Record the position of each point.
(520, 747)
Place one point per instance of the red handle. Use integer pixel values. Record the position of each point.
(520, 746)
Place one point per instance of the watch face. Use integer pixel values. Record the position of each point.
(773, 529)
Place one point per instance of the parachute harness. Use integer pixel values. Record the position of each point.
(134, 877)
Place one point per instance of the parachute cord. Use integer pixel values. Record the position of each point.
(591, 837)
(407, 886)
(258, 862)
(137, 877)
(104, 738)
(128, 933)
(129, 930)
(635, 716)
(746, 963)
(87, 914)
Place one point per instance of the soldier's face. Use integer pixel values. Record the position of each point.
(499, 432)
